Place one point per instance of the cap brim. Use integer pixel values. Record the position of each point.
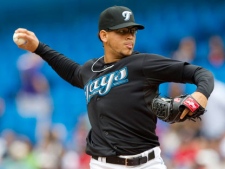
(127, 24)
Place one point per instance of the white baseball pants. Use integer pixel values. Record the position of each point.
(156, 163)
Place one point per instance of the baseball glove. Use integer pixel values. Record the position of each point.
(170, 109)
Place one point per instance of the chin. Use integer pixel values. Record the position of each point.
(128, 53)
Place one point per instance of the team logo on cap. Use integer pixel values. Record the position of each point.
(126, 15)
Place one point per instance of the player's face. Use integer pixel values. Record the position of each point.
(120, 42)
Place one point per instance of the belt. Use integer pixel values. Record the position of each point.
(128, 161)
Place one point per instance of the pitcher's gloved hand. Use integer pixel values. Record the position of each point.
(170, 109)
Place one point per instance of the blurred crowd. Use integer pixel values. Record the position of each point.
(46, 148)
(17, 151)
(200, 144)
(186, 145)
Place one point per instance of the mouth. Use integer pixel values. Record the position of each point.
(129, 45)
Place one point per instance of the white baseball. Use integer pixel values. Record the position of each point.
(18, 41)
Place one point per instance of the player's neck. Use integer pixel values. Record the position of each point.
(112, 57)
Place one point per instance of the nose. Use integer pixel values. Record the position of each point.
(130, 35)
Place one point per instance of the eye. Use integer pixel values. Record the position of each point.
(123, 31)
(133, 31)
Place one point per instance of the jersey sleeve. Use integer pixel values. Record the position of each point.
(204, 80)
(162, 69)
(63, 66)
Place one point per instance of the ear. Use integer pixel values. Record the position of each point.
(103, 35)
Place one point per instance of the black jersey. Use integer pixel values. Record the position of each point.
(118, 96)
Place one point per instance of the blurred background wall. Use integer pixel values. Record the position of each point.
(36, 104)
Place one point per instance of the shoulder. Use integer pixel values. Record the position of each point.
(90, 62)
(150, 55)
(147, 59)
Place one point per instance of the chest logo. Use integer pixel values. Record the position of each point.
(104, 84)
